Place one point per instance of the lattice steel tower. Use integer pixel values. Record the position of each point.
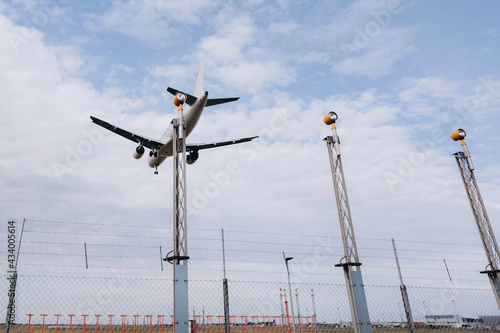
(180, 252)
(466, 169)
(351, 266)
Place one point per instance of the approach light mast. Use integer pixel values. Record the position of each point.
(466, 169)
(351, 265)
(180, 252)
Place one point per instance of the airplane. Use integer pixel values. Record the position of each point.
(162, 148)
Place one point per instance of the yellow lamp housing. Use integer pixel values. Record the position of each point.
(459, 134)
(330, 118)
(179, 98)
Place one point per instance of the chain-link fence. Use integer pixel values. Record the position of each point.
(118, 304)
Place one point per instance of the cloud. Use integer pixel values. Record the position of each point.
(47, 104)
(151, 21)
(377, 56)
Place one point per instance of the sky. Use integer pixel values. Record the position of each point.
(401, 75)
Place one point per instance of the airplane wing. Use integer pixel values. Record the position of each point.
(146, 142)
(196, 147)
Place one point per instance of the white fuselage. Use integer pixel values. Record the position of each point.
(191, 116)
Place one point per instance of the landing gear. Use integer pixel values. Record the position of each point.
(156, 170)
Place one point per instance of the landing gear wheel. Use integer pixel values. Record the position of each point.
(156, 170)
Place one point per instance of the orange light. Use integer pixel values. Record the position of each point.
(179, 98)
(330, 118)
(459, 134)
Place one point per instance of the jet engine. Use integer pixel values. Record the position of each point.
(192, 157)
(139, 151)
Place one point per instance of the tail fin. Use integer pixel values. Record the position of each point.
(199, 82)
(199, 91)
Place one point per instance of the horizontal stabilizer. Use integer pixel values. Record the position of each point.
(190, 98)
(215, 101)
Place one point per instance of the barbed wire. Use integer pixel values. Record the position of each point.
(250, 232)
(246, 251)
(240, 247)
(208, 259)
(144, 268)
(249, 242)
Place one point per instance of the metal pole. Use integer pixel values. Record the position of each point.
(404, 293)
(298, 310)
(86, 258)
(180, 253)
(283, 328)
(447, 270)
(20, 242)
(314, 312)
(227, 323)
(351, 266)
(456, 314)
(161, 260)
(483, 224)
(290, 289)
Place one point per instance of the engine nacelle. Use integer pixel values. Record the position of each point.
(139, 151)
(192, 157)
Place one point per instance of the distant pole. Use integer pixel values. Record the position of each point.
(314, 312)
(86, 259)
(161, 260)
(298, 311)
(283, 329)
(20, 242)
(227, 323)
(456, 313)
(287, 259)
(404, 293)
(447, 270)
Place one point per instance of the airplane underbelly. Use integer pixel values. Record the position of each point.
(156, 161)
(162, 154)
